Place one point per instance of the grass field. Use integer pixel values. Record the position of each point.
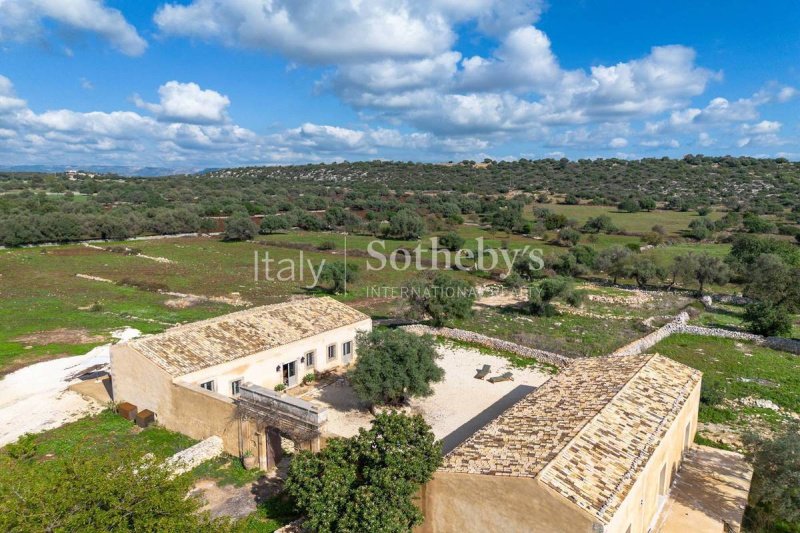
(672, 221)
(41, 293)
(740, 370)
(566, 334)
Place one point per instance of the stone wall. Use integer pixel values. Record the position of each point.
(191, 457)
(651, 339)
(679, 325)
(490, 342)
(776, 343)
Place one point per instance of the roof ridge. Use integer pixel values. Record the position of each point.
(645, 450)
(597, 413)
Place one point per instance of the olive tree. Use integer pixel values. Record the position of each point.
(394, 365)
(441, 297)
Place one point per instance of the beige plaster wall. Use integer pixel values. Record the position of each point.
(464, 503)
(136, 379)
(260, 368)
(181, 407)
(640, 506)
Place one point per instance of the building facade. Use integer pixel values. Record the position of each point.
(190, 375)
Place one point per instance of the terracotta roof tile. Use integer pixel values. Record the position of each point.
(191, 347)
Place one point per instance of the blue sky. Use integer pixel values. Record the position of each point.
(213, 82)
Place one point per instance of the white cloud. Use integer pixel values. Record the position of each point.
(524, 61)
(187, 102)
(618, 142)
(765, 126)
(315, 31)
(127, 137)
(705, 140)
(21, 20)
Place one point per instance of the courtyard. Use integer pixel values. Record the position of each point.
(460, 404)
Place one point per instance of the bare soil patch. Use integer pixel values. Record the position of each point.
(60, 336)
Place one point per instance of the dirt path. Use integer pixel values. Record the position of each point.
(35, 398)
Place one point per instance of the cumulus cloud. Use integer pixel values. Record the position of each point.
(189, 135)
(187, 102)
(315, 31)
(22, 20)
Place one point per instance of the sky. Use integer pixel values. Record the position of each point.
(206, 83)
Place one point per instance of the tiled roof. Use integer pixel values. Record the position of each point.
(191, 347)
(586, 432)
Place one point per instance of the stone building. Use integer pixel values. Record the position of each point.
(593, 449)
(193, 377)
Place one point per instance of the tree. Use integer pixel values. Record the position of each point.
(441, 297)
(406, 225)
(506, 219)
(599, 223)
(747, 248)
(366, 483)
(239, 227)
(394, 365)
(647, 203)
(541, 296)
(702, 268)
(120, 489)
(774, 282)
(643, 269)
(273, 223)
(569, 236)
(338, 275)
(613, 261)
(764, 318)
(452, 241)
(774, 501)
(630, 205)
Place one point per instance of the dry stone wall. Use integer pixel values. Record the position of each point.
(191, 457)
(490, 342)
(651, 339)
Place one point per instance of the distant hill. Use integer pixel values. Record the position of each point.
(121, 170)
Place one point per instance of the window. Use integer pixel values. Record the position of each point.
(235, 386)
(310, 359)
(347, 348)
(331, 352)
(208, 385)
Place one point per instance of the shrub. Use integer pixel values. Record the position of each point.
(280, 387)
(326, 245)
(769, 320)
(452, 241)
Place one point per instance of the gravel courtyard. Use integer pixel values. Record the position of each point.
(460, 404)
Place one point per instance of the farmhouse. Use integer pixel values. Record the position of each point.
(593, 449)
(194, 378)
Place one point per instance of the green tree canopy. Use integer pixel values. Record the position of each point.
(394, 365)
(239, 227)
(366, 484)
(338, 274)
(774, 502)
(405, 224)
(441, 297)
(109, 490)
